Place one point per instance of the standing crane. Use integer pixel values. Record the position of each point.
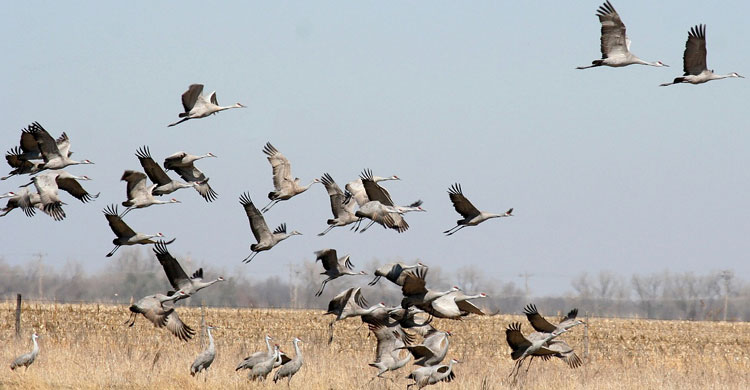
(205, 358)
(694, 60)
(261, 370)
(291, 367)
(156, 308)
(615, 44)
(177, 276)
(285, 187)
(540, 324)
(164, 184)
(26, 359)
(265, 239)
(126, 235)
(472, 216)
(342, 208)
(188, 172)
(431, 375)
(140, 196)
(56, 155)
(432, 350)
(334, 267)
(257, 357)
(196, 105)
(394, 272)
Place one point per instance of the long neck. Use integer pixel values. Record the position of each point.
(210, 339)
(721, 76)
(297, 350)
(34, 350)
(164, 298)
(199, 284)
(550, 337)
(270, 350)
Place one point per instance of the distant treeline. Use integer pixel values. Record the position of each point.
(134, 273)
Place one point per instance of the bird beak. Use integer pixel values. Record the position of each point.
(741, 76)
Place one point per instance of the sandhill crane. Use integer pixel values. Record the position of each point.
(288, 369)
(198, 106)
(430, 375)
(357, 190)
(394, 272)
(542, 325)
(415, 292)
(188, 172)
(177, 276)
(285, 187)
(432, 350)
(257, 357)
(56, 156)
(523, 347)
(8, 194)
(348, 303)
(380, 207)
(25, 200)
(157, 310)
(28, 147)
(266, 239)
(388, 350)
(47, 188)
(126, 235)
(205, 358)
(342, 208)
(453, 305)
(182, 159)
(334, 267)
(20, 164)
(26, 359)
(69, 183)
(164, 184)
(562, 350)
(694, 60)
(139, 195)
(261, 370)
(472, 216)
(615, 44)
(407, 318)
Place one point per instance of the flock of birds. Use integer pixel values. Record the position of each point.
(406, 327)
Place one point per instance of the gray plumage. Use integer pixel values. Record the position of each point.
(164, 183)
(205, 358)
(430, 375)
(334, 267)
(159, 309)
(27, 358)
(257, 357)
(291, 367)
(191, 174)
(285, 186)
(471, 215)
(432, 350)
(263, 235)
(261, 370)
(388, 350)
(540, 324)
(177, 276)
(126, 235)
(341, 206)
(394, 272)
(138, 193)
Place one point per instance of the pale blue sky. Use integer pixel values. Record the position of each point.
(606, 170)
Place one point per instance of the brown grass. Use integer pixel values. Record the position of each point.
(88, 347)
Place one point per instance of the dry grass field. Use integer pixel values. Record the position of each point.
(88, 347)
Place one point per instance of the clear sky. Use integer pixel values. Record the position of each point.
(605, 170)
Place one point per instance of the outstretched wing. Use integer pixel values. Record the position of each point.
(460, 203)
(328, 257)
(537, 321)
(153, 170)
(414, 281)
(176, 275)
(282, 168)
(118, 226)
(515, 338)
(257, 222)
(47, 144)
(694, 59)
(191, 174)
(373, 190)
(191, 95)
(614, 38)
(74, 188)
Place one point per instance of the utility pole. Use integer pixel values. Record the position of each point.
(727, 276)
(526, 277)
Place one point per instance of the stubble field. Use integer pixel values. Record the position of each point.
(88, 347)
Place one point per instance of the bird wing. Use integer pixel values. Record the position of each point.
(357, 191)
(118, 226)
(358, 298)
(565, 352)
(257, 222)
(47, 144)
(515, 338)
(694, 59)
(444, 307)
(28, 143)
(74, 188)
(468, 307)
(191, 174)
(614, 39)
(174, 160)
(212, 98)
(16, 159)
(460, 203)
(328, 258)
(436, 342)
(537, 321)
(414, 282)
(63, 145)
(373, 190)
(570, 316)
(136, 183)
(336, 195)
(157, 314)
(386, 341)
(282, 168)
(178, 328)
(191, 95)
(176, 275)
(154, 171)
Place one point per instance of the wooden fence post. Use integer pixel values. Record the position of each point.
(203, 321)
(586, 339)
(18, 316)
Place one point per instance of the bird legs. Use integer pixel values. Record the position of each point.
(330, 332)
(127, 210)
(374, 281)
(131, 319)
(250, 257)
(269, 205)
(113, 251)
(366, 227)
(322, 286)
(327, 230)
(457, 228)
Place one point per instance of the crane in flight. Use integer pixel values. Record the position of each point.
(694, 60)
(196, 105)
